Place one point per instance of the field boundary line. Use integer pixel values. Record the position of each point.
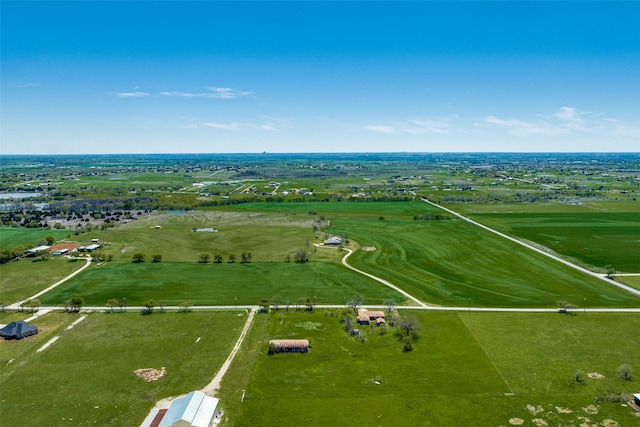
(485, 353)
(376, 278)
(533, 248)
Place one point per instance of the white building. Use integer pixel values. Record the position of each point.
(193, 410)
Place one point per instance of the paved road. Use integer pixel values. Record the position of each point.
(540, 251)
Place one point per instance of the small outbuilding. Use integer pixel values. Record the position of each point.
(636, 398)
(289, 346)
(18, 330)
(334, 240)
(193, 410)
(89, 248)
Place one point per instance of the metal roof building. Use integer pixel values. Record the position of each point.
(18, 330)
(193, 410)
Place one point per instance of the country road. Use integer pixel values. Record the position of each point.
(533, 248)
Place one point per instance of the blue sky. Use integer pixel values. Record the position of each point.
(175, 77)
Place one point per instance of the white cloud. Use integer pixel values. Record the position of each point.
(25, 85)
(212, 92)
(379, 129)
(225, 126)
(130, 94)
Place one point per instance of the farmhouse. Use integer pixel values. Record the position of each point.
(193, 410)
(365, 317)
(290, 346)
(334, 240)
(18, 330)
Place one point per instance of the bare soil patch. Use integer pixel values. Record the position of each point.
(150, 374)
(368, 248)
(595, 375)
(516, 421)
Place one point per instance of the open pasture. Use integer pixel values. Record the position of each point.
(477, 369)
(21, 279)
(10, 237)
(449, 262)
(95, 385)
(220, 284)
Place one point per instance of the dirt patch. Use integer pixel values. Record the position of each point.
(591, 409)
(608, 422)
(539, 422)
(150, 374)
(562, 410)
(535, 409)
(368, 248)
(61, 246)
(516, 421)
(125, 249)
(595, 375)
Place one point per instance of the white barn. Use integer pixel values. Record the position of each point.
(193, 410)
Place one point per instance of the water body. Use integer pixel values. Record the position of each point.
(19, 195)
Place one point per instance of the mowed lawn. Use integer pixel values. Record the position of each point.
(87, 376)
(465, 369)
(220, 284)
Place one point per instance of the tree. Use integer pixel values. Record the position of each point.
(217, 258)
(301, 256)
(204, 258)
(157, 258)
(275, 302)
(34, 304)
(43, 255)
(113, 302)
(74, 304)
(579, 376)
(161, 304)
(309, 303)
(264, 305)
(2, 306)
(149, 304)
(611, 271)
(50, 239)
(355, 301)
(408, 325)
(565, 307)
(184, 306)
(624, 372)
(138, 257)
(245, 257)
(232, 258)
(390, 303)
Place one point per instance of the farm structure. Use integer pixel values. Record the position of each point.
(290, 346)
(193, 410)
(63, 248)
(89, 248)
(366, 317)
(18, 330)
(636, 398)
(334, 240)
(34, 251)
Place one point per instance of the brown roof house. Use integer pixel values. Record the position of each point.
(365, 317)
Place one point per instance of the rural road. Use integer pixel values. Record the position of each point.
(533, 248)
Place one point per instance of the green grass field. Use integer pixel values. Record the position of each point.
(219, 284)
(10, 237)
(21, 279)
(477, 369)
(83, 378)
